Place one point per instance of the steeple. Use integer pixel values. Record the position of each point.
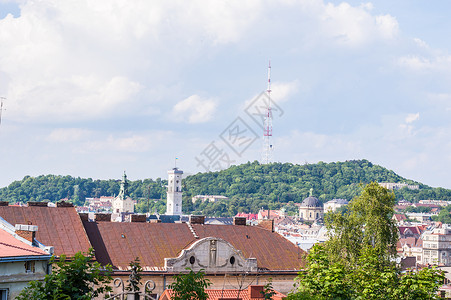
(123, 203)
(123, 193)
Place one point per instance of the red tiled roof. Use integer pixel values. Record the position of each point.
(413, 229)
(12, 247)
(120, 243)
(59, 227)
(248, 216)
(400, 217)
(225, 294)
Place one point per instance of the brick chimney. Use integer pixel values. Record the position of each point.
(255, 291)
(138, 218)
(100, 217)
(197, 219)
(28, 232)
(267, 224)
(239, 221)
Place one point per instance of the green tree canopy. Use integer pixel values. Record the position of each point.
(190, 286)
(358, 260)
(80, 278)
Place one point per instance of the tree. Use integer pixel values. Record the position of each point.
(358, 260)
(79, 278)
(367, 223)
(190, 286)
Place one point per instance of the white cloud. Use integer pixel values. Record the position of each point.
(194, 109)
(355, 26)
(68, 135)
(435, 62)
(134, 143)
(414, 62)
(412, 117)
(282, 91)
(420, 43)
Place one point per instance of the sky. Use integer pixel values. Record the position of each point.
(94, 88)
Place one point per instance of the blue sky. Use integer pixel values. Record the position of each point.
(93, 88)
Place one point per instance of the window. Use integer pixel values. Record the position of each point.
(29, 267)
(3, 294)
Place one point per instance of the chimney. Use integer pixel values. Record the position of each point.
(197, 219)
(40, 204)
(84, 216)
(4, 203)
(28, 232)
(138, 218)
(267, 224)
(255, 291)
(100, 217)
(239, 221)
(64, 204)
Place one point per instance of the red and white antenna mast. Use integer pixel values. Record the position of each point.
(1, 108)
(267, 125)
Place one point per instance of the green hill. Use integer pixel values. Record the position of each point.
(249, 186)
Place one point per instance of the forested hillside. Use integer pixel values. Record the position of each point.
(249, 186)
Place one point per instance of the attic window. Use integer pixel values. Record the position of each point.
(123, 236)
(192, 260)
(232, 260)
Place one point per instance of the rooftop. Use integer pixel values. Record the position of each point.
(59, 227)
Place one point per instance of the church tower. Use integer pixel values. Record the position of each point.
(174, 194)
(123, 203)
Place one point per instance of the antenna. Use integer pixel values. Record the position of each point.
(267, 125)
(1, 108)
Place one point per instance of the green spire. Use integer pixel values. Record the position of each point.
(123, 193)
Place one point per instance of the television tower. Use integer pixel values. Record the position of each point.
(1, 108)
(267, 125)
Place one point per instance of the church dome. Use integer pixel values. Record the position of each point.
(311, 202)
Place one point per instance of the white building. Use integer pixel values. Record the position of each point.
(437, 246)
(398, 186)
(334, 204)
(174, 194)
(123, 203)
(210, 198)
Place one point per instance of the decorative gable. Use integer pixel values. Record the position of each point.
(212, 255)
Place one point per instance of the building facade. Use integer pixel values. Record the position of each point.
(334, 204)
(437, 246)
(311, 209)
